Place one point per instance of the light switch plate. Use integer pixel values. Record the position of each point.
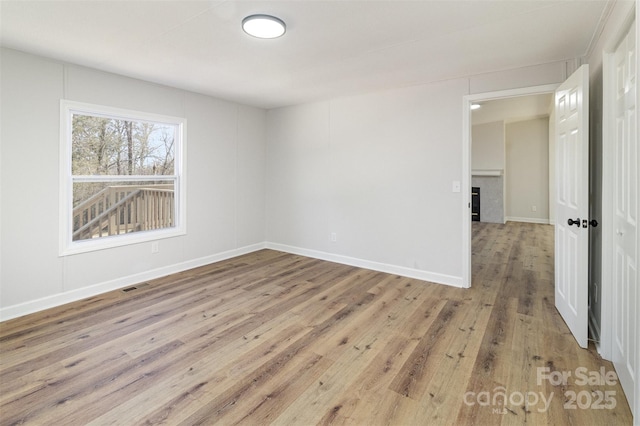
(456, 186)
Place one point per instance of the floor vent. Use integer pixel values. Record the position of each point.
(135, 287)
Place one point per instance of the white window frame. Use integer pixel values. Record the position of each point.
(70, 247)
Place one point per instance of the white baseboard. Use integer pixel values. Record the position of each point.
(367, 264)
(32, 306)
(526, 220)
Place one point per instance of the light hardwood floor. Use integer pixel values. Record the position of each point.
(276, 338)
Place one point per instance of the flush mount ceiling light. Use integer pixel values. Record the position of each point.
(263, 26)
(475, 106)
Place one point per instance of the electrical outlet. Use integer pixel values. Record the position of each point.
(333, 237)
(155, 247)
(534, 208)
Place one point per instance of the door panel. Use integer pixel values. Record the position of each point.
(572, 203)
(625, 218)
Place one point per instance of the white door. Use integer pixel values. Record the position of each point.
(625, 218)
(572, 203)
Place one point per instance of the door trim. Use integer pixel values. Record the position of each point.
(604, 345)
(467, 100)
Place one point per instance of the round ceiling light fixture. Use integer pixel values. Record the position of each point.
(263, 26)
(475, 106)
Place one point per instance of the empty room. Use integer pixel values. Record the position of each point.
(319, 212)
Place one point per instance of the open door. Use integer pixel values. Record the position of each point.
(572, 203)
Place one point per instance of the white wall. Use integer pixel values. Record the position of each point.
(527, 178)
(487, 146)
(377, 170)
(225, 179)
(488, 153)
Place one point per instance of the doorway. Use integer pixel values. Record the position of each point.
(512, 155)
(570, 112)
(512, 158)
(501, 98)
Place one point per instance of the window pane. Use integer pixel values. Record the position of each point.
(123, 177)
(102, 209)
(109, 146)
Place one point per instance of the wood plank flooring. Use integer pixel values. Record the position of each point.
(275, 338)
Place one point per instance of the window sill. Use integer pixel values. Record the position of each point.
(104, 243)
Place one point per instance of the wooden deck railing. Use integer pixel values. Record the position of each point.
(121, 209)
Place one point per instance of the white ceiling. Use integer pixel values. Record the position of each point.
(513, 109)
(331, 48)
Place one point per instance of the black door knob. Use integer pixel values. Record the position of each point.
(574, 222)
(593, 223)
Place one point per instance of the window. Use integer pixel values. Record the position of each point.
(122, 177)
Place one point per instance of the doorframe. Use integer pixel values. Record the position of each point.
(467, 100)
(636, 420)
(605, 347)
